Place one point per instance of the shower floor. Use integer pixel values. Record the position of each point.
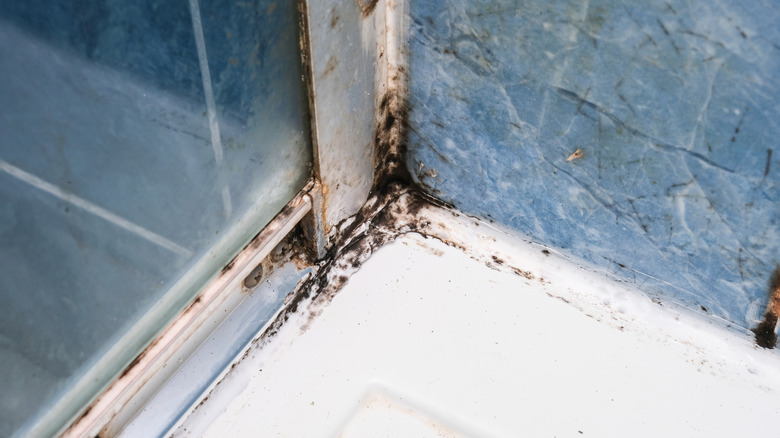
(427, 340)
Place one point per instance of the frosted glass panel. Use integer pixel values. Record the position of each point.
(143, 144)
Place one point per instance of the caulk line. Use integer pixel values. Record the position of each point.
(85, 205)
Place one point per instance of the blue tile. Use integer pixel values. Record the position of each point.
(673, 103)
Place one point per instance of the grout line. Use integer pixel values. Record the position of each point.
(92, 208)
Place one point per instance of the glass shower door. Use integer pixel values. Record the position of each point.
(142, 144)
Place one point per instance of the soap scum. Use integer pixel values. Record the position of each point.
(765, 332)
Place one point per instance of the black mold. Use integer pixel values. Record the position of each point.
(391, 210)
(390, 171)
(765, 332)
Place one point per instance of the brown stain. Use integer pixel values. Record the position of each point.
(765, 332)
(577, 154)
(334, 18)
(329, 67)
(525, 274)
(367, 6)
